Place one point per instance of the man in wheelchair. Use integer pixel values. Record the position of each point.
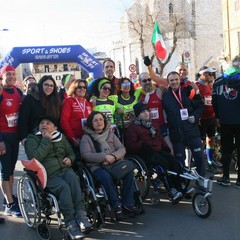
(143, 139)
(51, 148)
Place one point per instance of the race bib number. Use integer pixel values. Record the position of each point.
(154, 113)
(12, 119)
(184, 113)
(208, 101)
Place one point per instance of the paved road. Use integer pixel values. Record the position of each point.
(164, 221)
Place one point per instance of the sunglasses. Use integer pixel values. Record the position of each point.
(126, 84)
(106, 89)
(48, 85)
(146, 80)
(81, 87)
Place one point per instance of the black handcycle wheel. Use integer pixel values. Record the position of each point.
(201, 205)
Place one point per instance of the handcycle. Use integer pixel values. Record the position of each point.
(157, 175)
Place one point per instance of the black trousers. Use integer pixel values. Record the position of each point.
(230, 140)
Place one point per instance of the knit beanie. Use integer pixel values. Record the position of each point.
(139, 107)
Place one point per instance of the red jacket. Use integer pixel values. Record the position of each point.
(138, 136)
(206, 93)
(73, 115)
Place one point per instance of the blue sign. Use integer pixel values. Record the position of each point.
(72, 53)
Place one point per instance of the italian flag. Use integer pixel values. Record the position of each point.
(157, 40)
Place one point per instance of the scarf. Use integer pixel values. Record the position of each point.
(146, 124)
(147, 94)
(101, 139)
(56, 136)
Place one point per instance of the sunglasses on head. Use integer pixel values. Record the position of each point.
(146, 80)
(126, 84)
(106, 89)
(81, 87)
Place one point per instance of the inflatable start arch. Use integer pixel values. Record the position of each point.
(72, 53)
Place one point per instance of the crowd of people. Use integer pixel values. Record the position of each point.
(160, 118)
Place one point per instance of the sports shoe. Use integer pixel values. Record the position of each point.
(132, 209)
(237, 184)
(82, 220)
(225, 181)
(175, 194)
(15, 199)
(13, 210)
(190, 190)
(74, 230)
(119, 213)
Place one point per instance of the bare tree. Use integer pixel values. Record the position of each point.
(142, 25)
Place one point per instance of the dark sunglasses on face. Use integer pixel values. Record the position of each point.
(106, 89)
(126, 84)
(146, 80)
(81, 87)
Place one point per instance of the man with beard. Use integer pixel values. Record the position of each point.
(152, 96)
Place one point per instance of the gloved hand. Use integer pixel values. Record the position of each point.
(147, 61)
(191, 119)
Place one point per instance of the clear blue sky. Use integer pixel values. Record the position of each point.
(90, 23)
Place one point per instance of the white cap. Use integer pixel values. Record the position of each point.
(211, 70)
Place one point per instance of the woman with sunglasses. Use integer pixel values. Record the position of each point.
(106, 103)
(126, 99)
(42, 99)
(75, 111)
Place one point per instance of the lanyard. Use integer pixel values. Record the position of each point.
(82, 106)
(180, 97)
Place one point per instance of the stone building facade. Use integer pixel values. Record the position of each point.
(199, 34)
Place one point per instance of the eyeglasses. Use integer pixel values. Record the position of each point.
(146, 80)
(126, 84)
(81, 87)
(48, 85)
(106, 89)
(210, 74)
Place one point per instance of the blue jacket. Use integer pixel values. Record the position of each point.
(226, 98)
(182, 130)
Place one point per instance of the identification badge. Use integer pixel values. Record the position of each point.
(208, 101)
(83, 120)
(184, 113)
(154, 113)
(12, 119)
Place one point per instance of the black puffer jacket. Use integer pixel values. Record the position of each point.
(180, 130)
(30, 111)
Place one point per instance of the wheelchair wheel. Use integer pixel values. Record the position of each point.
(201, 206)
(141, 175)
(43, 231)
(28, 200)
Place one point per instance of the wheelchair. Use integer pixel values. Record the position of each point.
(99, 208)
(38, 205)
(155, 177)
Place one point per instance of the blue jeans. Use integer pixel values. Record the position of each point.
(103, 177)
(196, 147)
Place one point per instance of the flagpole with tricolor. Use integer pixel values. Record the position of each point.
(157, 40)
